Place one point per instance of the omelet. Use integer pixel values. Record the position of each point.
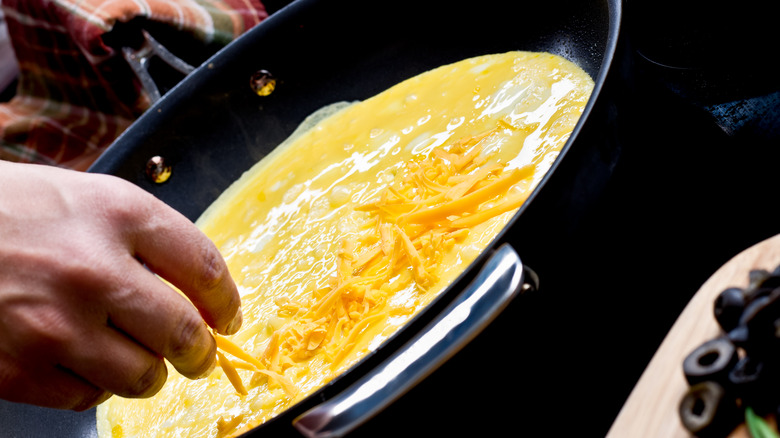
(355, 223)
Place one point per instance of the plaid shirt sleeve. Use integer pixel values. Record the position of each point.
(76, 93)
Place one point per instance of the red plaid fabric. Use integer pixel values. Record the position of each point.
(76, 93)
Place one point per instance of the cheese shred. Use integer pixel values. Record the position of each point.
(231, 373)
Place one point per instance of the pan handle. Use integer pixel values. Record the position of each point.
(139, 62)
(501, 279)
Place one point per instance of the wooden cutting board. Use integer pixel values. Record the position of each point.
(651, 408)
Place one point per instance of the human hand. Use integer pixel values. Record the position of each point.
(81, 317)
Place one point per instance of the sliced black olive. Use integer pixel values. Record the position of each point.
(757, 293)
(728, 308)
(761, 283)
(772, 281)
(756, 277)
(761, 319)
(762, 312)
(747, 371)
(706, 410)
(752, 309)
(739, 336)
(751, 380)
(712, 360)
(761, 278)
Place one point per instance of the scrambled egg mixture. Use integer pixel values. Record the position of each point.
(358, 221)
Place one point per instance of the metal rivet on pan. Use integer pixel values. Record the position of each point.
(157, 170)
(262, 82)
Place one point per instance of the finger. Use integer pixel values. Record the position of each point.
(178, 251)
(157, 317)
(47, 386)
(108, 359)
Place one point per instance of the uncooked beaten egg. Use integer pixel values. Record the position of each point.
(355, 223)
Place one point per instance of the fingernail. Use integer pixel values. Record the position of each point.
(234, 325)
(212, 365)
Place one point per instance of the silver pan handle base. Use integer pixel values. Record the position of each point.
(498, 282)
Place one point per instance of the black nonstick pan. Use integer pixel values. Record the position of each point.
(212, 127)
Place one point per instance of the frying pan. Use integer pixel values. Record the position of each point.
(212, 127)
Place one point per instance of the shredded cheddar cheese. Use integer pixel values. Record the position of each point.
(336, 252)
